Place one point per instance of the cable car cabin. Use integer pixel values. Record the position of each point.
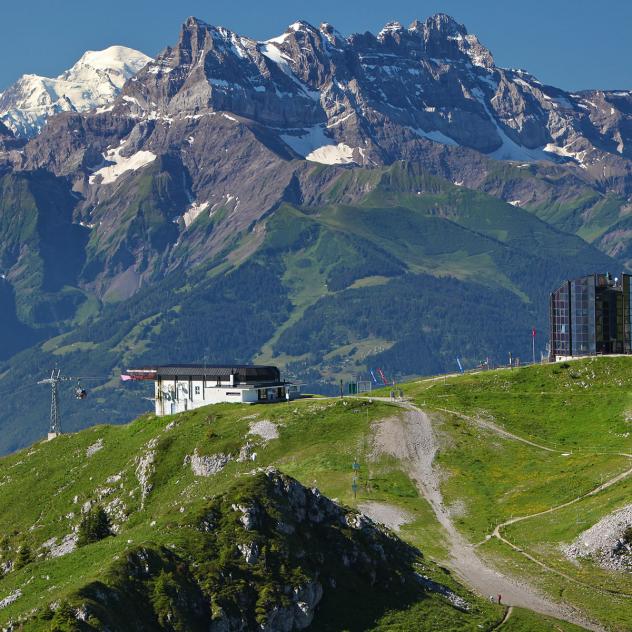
(180, 387)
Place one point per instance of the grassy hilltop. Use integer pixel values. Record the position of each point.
(578, 418)
(180, 491)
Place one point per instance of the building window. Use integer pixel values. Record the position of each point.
(197, 390)
(233, 393)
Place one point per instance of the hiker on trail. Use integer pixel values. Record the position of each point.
(499, 598)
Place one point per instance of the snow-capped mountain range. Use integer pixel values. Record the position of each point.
(234, 123)
(92, 82)
(366, 99)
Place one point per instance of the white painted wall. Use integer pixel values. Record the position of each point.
(176, 397)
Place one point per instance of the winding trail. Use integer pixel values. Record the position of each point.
(497, 531)
(412, 440)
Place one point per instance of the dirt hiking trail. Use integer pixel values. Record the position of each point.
(412, 440)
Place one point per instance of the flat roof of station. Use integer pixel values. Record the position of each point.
(244, 372)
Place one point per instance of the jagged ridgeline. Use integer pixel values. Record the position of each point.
(199, 532)
(320, 202)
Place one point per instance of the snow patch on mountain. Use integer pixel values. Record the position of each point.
(94, 81)
(313, 144)
(332, 154)
(565, 152)
(120, 164)
(435, 136)
(193, 212)
(304, 141)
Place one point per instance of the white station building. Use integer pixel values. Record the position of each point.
(180, 387)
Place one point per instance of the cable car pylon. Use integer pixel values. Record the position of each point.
(55, 378)
(55, 418)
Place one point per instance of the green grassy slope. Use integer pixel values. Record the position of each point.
(580, 412)
(567, 203)
(141, 474)
(428, 242)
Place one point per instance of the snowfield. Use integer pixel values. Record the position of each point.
(121, 164)
(94, 81)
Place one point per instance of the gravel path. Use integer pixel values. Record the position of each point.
(489, 425)
(413, 441)
(388, 515)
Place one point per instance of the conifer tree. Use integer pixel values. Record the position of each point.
(24, 557)
(94, 527)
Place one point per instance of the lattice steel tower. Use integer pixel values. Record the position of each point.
(55, 418)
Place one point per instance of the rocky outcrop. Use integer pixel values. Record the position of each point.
(145, 467)
(207, 465)
(608, 542)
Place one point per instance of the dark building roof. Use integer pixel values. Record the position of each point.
(244, 373)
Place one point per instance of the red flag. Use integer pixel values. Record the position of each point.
(533, 332)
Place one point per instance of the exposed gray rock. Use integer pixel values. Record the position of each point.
(300, 614)
(202, 465)
(249, 551)
(67, 545)
(456, 600)
(604, 541)
(144, 470)
(247, 453)
(265, 429)
(94, 448)
(249, 516)
(9, 599)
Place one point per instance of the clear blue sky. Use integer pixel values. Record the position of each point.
(572, 44)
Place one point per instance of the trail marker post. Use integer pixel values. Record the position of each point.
(355, 466)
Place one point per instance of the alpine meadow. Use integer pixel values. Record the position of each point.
(319, 332)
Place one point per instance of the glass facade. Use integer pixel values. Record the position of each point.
(591, 315)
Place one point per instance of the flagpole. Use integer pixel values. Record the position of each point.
(533, 343)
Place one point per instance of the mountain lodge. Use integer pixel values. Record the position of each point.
(180, 387)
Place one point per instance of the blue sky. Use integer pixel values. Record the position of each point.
(572, 44)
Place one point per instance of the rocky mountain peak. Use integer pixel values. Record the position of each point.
(445, 38)
(192, 22)
(332, 35)
(302, 25)
(443, 24)
(390, 29)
